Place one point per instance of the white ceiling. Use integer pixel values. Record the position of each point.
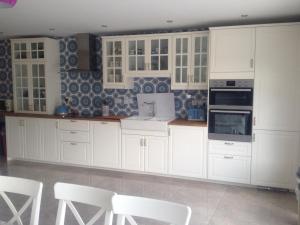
(35, 17)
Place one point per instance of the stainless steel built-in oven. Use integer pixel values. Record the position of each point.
(230, 110)
(230, 125)
(231, 94)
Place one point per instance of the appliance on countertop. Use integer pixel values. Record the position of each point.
(230, 110)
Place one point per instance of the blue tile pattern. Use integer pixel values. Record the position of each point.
(5, 70)
(85, 89)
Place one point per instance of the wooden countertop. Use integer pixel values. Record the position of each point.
(183, 122)
(92, 118)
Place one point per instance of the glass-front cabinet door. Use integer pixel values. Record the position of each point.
(199, 61)
(38, 87)
(190, 61)
(20, 50)
(21, 86)
(159, 55)
(113, 63)
(182, 61)
(148, 56)
(136, 55)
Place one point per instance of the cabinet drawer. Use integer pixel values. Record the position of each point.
(229, 148)
(74, 125)
(75, 153)
(229, 168)
(75, 136)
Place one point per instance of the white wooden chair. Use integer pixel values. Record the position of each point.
(30, 188)
(68, 193)
(128, 206)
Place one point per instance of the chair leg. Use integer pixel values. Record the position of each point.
(61, 213)
(121, 220)
(108, 218)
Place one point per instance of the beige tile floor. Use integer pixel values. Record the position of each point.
(212, 204)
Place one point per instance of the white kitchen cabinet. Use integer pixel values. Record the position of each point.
(75, 153)
(188, 151)
(75, 141)
(144, 153)
(49, 139)
(15, 137)
(229, 161)
(113, 56)
(132, 152)
(32, 139)
(190, 56)
(275, 158)
(106, 147)
(229, 168)
(232, 53)
(156, 154)
(277, 80)
(35, 67)
(148, 55)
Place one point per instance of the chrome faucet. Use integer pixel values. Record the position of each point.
(152, 111)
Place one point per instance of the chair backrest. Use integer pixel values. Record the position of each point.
(169, 212)
(68, 193)
(26, 187)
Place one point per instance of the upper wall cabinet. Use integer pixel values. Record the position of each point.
(35, 66)
(190, 61)
(114, 63)
(148, 55)
(232, 53)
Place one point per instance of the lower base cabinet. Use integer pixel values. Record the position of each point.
(144, 153)
(49, 140)
(106, 144)
(275, 158)
(32, 139)
(229, 168)
(188, 151)
(15, 137)
(229, 161)
(75, 153)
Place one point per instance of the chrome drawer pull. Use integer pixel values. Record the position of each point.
(228, 157)
(73, 143)
(73, 121)
(73, 132)
(229, 143)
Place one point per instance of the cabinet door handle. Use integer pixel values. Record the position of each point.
(73, 121)
(145, 142)
(141, 142)
(72, 143)
(56, 124)
(104, 123)
(253, 137)
(73, 132)
(251, 63)
(228, 157)
(229, 143)
(254, 121)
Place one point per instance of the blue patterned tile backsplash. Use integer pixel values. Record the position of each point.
(85, 89)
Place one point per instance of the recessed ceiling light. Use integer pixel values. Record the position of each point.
(104, 26)
(52, 29)
(244, 15)
(169, 21)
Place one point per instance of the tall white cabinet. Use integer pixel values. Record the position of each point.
(276, 146)
(35, 66)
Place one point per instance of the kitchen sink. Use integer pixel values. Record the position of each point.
(146, 123)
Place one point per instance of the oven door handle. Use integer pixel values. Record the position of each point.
(231, 111)
(235, 89)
